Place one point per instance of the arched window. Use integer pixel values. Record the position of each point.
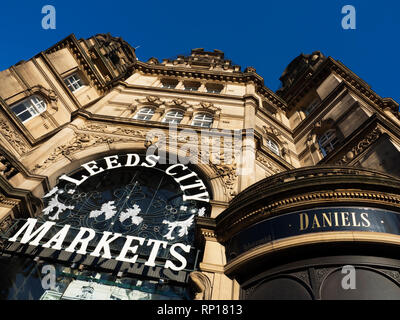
(328, 141)
(173, 116)
(204, 120)
(144, 114)
(29, 108)
(273, 146)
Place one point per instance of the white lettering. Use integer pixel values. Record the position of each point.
(152, 160)
(199, 184)
(129, 160)
(29, 234)
(112, 162)
(127, 247)
(168, 171)
(190, 175)
(178, 256)
(104, 244)
(199, 197)
(83, 241)
(77, 182)
(91, 166)
(153, 254)
(58, 238)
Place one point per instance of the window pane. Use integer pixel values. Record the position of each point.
(144, 114)
(328, 141)
(74, 82)
(24, 116)
(173, 117)
(19, 108)
(38, 104)
(202, 120)
(273, 147)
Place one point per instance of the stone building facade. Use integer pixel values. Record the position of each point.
(291, 185)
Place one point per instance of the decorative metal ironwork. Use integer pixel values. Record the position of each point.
(139, 201)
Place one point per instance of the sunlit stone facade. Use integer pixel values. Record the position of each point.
(229, 190)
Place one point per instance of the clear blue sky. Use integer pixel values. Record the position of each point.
(264, 34)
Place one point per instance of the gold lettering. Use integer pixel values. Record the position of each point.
(345, 219)
(364, 217)
(315, 222)
(353, 216)
(303, 221)
(336, 219)
(328, 220)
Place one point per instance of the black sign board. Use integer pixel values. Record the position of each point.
(311, 221)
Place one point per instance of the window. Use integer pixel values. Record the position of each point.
(169, 83)
(273, 146)
(328, 141)
(202, 120)
(144, 114)
(29, 108)
(214, 88)
(174, 116)
(192, 86)
(74, 82)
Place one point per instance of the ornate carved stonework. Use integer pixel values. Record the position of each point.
(7, 170)
(12, 137)
(102, 128)
(268, 163)
(152, 100)
(228, 174)
(80, 142)
(177, 103)
(271, 131)
(360, 147)
(209, 107)
(6, 223)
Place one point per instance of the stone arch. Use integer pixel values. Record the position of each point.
(71, 162)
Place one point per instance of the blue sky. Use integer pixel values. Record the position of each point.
(264, 34)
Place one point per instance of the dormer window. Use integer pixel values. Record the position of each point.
(169, 83)
(74, 82)
(328, 141)
(202, 120)
(144, 114)
(173, 117)
(29, 108)
(192, 85)
(273, 146)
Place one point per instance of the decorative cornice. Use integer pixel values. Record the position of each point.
(360, 147)
(236, 77)
(300, 188)
(268, 163)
